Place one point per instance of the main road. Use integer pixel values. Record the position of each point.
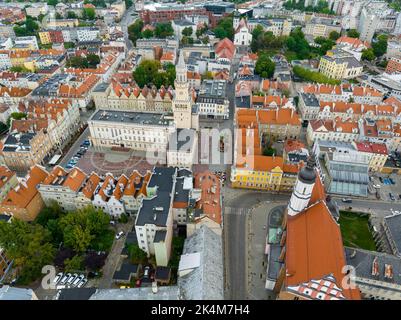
(126, 20)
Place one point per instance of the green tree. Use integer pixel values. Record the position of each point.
(134, 30)
(29, 246)
(187, 31)
(324, 45)
(19, 69)
(264, 66)
(147, 34)
(146, 71)
(313, 76)
(93, 60)
(136, 254)
(334, 35)
(297, 43)
(15, 116)
(52, 211)
(224, 28)
(88, 14)
(352, 33)
(73, 264)
(77, 62)
(128, 3)
(71, 15)
(163, 30)
(187, 40)
(52, 2)
(379, 46)
(368, 54)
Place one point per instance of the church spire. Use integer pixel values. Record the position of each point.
(181, 69)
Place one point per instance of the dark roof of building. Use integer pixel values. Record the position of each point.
(274, 263)
(310, 100)
(126, 271)
(160, 236)
(76, 293)
(162, 273)
(243, 102)
(393, 223)
(362, 261)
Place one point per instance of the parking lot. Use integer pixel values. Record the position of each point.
(388, 186)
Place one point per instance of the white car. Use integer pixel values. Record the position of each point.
(72, 278)
(65, 278)
(377, 186)
(58, 277)
(82, 283)
(119, 235)
(78, 280)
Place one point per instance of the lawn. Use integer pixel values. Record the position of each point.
(355, 231)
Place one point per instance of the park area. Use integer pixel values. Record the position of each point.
(355, 230)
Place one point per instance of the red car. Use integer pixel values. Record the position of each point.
(138, 283)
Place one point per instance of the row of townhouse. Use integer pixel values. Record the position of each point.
(76, 88)
(126, 95)
(345, 93)
(311, 109)
(74, 190)
(364, 130)
(30, 59)
(60, 35)
(48, 125)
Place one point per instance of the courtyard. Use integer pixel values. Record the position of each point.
(355, 231)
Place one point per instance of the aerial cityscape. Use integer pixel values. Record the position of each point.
(199, 150)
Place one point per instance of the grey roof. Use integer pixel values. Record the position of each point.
(212, 91)
(184, 23)
(154, 119)
(160, 236)
(162, 273)
(12, 293)
(155, 210)
(274, 263)
(206, 281)
(18, 142)
(101, 87)
(362, 261)
(143, 293)
(76, 293)
(181, 195)
(243, 102)
(393, 223)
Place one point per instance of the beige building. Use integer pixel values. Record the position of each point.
(8, 180)
(338, 64)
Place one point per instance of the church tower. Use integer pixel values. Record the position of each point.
(303, 188)
(236, 19)
(182, 102)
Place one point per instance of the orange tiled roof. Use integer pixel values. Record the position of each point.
(279, 116)
(75, 179)
(314, 248)
(119, 190)
(91, 185)
(23, 194)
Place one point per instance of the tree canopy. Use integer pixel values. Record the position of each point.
(88, 14)
(313, 76)
(28, 245)
(379, 45)
(297, 44)
(150, 72)
(134, 30)
(29, 28)
(163, 30)
(224, 28)
(352, 33)
(264, 66)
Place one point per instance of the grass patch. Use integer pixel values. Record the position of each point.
(355, 231)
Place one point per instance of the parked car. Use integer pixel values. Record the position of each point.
(119, 235)
(78, 280)
(65, 278)
(72, 278)
(377, 186)
(391, 196)
(399, 196)
(70, 166)
(58, 277)
(347, 200)
(146, 272)
(381, 179)
(391, 180)
(82, 283)
(112, 222)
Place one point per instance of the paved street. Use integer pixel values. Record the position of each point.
(237, 217)
(74, 148)
(126, 20)
(114, 257)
